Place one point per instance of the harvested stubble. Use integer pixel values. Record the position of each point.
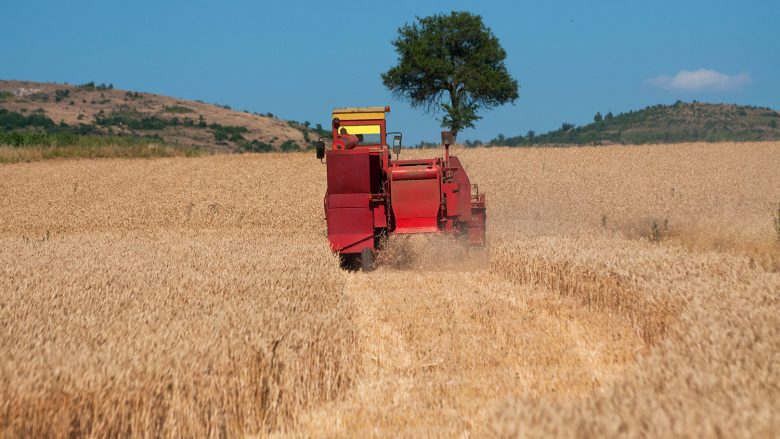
(196, 296)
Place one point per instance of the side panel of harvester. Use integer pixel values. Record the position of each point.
(355, 203)
(353, 176)
(468, 207)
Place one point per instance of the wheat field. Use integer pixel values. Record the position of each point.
(625, 291)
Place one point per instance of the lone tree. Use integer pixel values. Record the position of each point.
(453, 55)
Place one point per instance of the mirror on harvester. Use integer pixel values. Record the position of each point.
(397, 144)
(320, 149)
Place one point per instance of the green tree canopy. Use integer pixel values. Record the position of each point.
(453, 55)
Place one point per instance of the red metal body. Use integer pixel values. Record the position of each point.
(370, 195)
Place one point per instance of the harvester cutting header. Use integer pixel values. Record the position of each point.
(371, 196)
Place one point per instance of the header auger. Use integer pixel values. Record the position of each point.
(371, 196)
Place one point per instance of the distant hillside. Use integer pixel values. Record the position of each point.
(46, 113)
(681, 122)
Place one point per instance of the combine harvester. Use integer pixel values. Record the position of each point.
(371, 196)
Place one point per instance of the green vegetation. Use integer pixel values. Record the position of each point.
(61, 95)
(257, 146)
(132, 119)
(135, 120)
(310, 135)
(36, 137)
(177, 109)
(21, 139)
(38, 97)
(91, 86)
(680, 122)
(223, 132)
(11, 120)
(321, 131)
(94, 147)
(124, 130)
(454, 57)
(289, 146)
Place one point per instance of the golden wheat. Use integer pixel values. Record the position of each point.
(625, 291)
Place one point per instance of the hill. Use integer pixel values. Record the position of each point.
(680, 122)
(50, 113)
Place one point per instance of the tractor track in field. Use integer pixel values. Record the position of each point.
(442, 349)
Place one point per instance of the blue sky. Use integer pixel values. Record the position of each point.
(298, 59)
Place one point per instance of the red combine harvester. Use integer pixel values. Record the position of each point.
(370, 195)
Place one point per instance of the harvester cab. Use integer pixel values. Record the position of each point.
(371, 196)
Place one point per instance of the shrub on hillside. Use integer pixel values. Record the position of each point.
(133, 120)
(257, 146)
(225, 132)
(289, 146)
(177, 109)
(10, 120)
(39, 97)
(61, 95)
(90, 86)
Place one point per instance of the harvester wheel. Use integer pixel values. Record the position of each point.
(367, 259)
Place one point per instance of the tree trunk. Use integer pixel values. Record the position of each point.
(454, 118)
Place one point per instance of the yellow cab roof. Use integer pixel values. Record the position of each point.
(360, 113)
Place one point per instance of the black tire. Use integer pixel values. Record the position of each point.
(367, 259)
